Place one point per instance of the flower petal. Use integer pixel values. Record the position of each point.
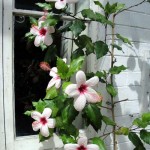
(92, 81)
(36, 115)
(92, 147)
(51, 123)
(79, 102)
(60, 4)
(37, 41)
(53, 72)
(72, 90)
(58, 83)
(50, 29)
(48, 39)
(83, 141)
(34, 30)
(47, 113)
(92, 96)
(36, 125)
(71, 146)
(51, 83)
(44, 131)
(80, 78)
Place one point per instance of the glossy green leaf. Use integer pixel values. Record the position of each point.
(40, 105)
(75, 65)
(69, 114)
(84, 41)
(108, 121)
(98, 3)
(65, 27)
(135, 139)
(77, 27)
(28, 113)
(45, 6)
(100, 49)
(140, 123)
(146, 117)
(117, 46)
(123, 131)
(77, 53)
(51, 93)
(145, 136)
(62, 68)
(67, 139)
(99, 142)
(117, 69)
(111, 90)
(33, 21)
(93, 115)
(125, 40)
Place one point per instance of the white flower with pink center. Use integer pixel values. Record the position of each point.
(43, 34)
(82, 91)
(43, 122)
(81, 145)
(60, 4)
(56, 80)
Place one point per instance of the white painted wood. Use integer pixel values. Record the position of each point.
(2, 131)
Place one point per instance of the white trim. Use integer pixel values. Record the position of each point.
(2, 134)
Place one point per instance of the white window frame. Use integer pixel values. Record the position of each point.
(10, 141)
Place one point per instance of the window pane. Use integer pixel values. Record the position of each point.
(30, 80)
(28, 4)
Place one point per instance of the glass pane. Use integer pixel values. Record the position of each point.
(28, 4)
(30, 80)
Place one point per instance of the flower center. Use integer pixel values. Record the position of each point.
(82, 88)
(43, 120)
(42, 31)
(81, 148)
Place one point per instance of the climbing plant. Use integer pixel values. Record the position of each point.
(65, 99)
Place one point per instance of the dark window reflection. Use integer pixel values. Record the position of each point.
(30, 80)
(28, 4)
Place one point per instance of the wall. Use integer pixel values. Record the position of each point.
(133, 83)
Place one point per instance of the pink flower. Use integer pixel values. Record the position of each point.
(82, 91)
(60, 4)
(56, 80)
(43, 34)
(43, 122)
(81, 145)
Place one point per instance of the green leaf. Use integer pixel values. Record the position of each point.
(77, 53)
(99, 142)
(108, 121)
(125, 40)
(123, 131)
(77, 27)
(28, 34)
(117, 46)
(39, 106)
(62, 68)
(67, 139)
(111, 90)
(140, 123)
(117, 69)
(33, 21)
(84, 41)
(88, 13)
(75, 65)
(146, 117)
(51, 93)
(135, 139)
(65, 84)
(69, 114)
(43, 46)
(52, 106)
(45, 6)
(93, 116)
(28, 113)
(145, 136)
(120, 6)
(65, 28)
(99, 4)
(100, 49)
